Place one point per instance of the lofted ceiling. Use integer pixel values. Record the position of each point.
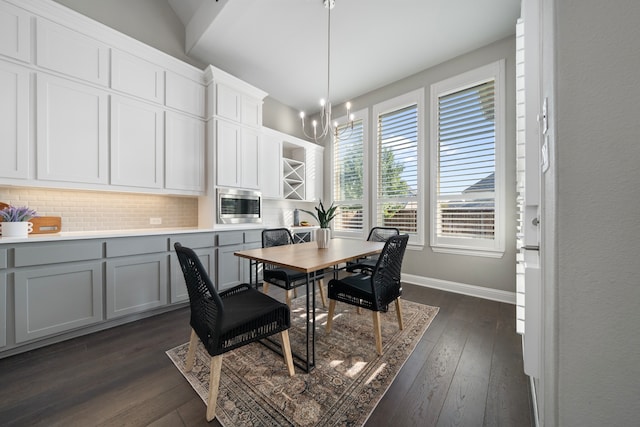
(280, 46)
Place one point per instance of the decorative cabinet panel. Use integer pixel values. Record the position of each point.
(14, 120)
(135, 76)
(69, 52)
(185, 94)
(314, 176)
(184, 153)
(72, 131)
(3, 309)
(55, 299)
(271, 167)
(237, 156)
(137, 154)
(15, 32)
(136, 284)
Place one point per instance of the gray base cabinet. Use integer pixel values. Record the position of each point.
(3, 309)
(233, 270)
(203, 246)
(51, 300)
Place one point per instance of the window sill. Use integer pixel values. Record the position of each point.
(468, 252)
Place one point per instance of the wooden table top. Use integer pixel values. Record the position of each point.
(306, 257)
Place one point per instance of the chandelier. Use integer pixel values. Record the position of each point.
(325, 126)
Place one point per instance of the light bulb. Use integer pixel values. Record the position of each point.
(302, 114)
(322, 102)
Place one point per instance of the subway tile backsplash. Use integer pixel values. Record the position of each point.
(97, 210)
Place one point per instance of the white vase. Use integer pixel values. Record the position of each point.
(16, 229)
(323, 237)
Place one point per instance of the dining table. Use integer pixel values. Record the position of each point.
(311, 260)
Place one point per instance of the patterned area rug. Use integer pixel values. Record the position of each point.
(348, 382)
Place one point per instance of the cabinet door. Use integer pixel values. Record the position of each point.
(54, 299)
(3, 309)
(271, 167)
(178, 287)
(185, 94)
(14, 120)
(136, 284)
(251, 113)
(184, 153)
(74, 54)
(230, 267)
(135, 76)
(228, 154)
(72, 131)
(314, 163)
(137, 154)
(250, 159)
(228, 103)
(15, 34)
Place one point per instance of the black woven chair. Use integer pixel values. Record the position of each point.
(366, 265)
(376, 291)
(285, 278)
(227, 320)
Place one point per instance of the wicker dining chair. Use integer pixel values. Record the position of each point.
(285, 278)
(366, 265)
(226, 320)
(376, 291)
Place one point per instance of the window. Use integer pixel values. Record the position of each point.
(397, 188)
(349, 178)
(467, 169)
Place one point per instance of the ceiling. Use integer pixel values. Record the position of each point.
(280, 46)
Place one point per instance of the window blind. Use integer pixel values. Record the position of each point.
(397, 162)
(348, 163)
(466, 163)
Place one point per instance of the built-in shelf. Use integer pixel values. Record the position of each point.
(293, 179)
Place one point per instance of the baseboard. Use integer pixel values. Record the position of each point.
(461, 288)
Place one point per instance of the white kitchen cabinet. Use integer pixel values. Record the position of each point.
(137, 77)
(69, 52)
(235, 105)
(237, 155)
(314, 175)
(15, 32)
(137, 154)
(293, 179)
(14, 121)
(185, 94)
(271, 167)
(184, 153)
(72, 131)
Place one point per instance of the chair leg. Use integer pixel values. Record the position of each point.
(295, 292)
(265, 287)
(332, 308)
(377, 331)
(399, 314)
(358, 310)
(191, 354)
(214, 385)
(321, 289)
(288, 297)
(286, 349)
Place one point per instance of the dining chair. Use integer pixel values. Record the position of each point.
(366, 265)
(285, 278)
(376, 291)
(229, 319)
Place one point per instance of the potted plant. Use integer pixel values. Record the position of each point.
(324, 218)
(15, 221)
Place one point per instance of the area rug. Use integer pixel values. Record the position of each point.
(346, 385)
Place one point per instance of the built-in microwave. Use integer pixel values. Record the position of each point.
(239, 206)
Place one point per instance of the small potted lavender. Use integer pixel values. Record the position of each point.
(15, 221)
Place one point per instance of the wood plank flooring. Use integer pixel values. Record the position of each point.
(466, 371)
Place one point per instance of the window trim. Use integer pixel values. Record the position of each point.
(397, 103)
(463, 246)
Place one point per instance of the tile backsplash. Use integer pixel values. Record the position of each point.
(98, 210)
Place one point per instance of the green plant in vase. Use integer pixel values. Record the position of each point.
(324, 218)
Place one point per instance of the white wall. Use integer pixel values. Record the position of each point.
(592, 283)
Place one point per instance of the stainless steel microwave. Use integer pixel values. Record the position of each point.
(239, 206)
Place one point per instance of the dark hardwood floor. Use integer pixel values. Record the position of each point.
(466, 371)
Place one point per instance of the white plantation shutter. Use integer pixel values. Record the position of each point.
(397, 169)
(467, 185)
(348, 182)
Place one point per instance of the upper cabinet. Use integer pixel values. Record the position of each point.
(15, 32)
(185, 94)
(66, 51)
(234, 105)
(14, 121)
(72, 131)
(184, 153)
(135, 76)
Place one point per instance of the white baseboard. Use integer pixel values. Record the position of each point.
(461, 288)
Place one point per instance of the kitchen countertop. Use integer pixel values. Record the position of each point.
(81, 235)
